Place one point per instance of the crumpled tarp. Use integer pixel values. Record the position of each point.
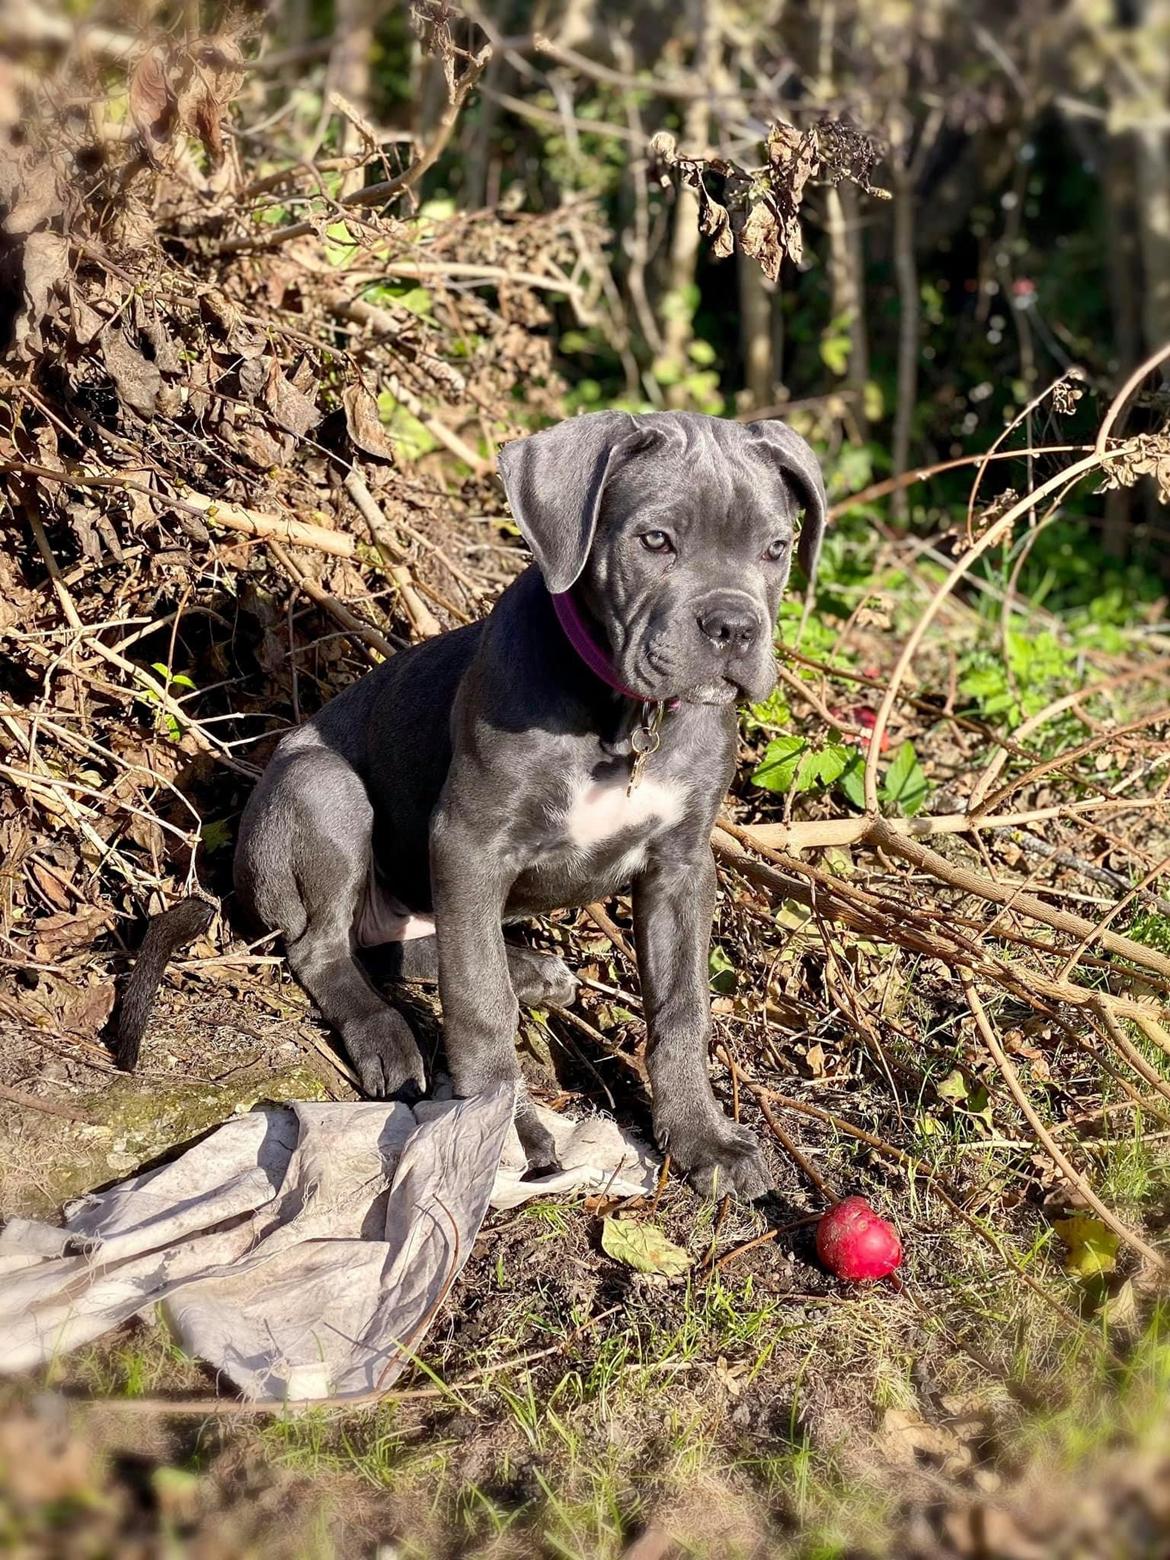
(301, 1250)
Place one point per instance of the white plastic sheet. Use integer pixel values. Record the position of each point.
(301, 1250)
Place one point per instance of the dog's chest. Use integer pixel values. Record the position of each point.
(601, 812)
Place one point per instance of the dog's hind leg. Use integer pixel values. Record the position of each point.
(538, 979)
(302, 863)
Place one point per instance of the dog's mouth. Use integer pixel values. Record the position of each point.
(721, 690)
(660, 674)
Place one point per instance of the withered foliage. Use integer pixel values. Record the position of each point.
(760, 207)
(184, 381)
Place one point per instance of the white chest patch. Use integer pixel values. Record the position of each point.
(599, 811)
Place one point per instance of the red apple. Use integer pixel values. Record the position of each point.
(855, 1244)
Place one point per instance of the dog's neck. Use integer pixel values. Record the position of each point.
(580, 636)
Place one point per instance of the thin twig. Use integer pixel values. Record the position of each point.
(1059, 1158)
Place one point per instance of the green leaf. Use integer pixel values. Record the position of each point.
(643, 1247)
(410, 296)
(777, 769)
(215, 834)
(407, 433)
(793, 916)
(906, 786)
(952, 1087)
(438, 209)
(340, 244)
(833, 761)
(835, 353)
(722, 971)
(1092, 1246)
(773, 712)
(171, 679)
(851, 781)
(805, 778)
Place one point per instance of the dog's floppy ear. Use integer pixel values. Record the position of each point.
(554, 480)
(789, 450)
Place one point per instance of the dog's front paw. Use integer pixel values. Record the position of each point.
(536, 1140)
(717, 1156)
(387, 1060)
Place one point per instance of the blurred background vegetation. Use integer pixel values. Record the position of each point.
(1025, 151)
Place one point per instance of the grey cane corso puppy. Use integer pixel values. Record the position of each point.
(485, 776)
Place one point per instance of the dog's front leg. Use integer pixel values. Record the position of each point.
(674, 901)
(470, 883)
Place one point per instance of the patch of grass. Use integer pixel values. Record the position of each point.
(137, 1362)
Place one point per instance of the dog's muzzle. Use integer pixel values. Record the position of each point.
(733, 649)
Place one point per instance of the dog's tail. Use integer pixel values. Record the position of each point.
(167, 933)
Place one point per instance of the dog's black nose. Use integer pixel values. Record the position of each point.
(730, 623)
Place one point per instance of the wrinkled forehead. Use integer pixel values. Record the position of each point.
(725, 488)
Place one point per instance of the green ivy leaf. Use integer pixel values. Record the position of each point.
(643, 1247)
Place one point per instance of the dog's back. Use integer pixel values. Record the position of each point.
(382, 747)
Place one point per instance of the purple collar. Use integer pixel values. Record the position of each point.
(577, 633)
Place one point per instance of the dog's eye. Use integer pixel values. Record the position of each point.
(657, 542)
(776, 549)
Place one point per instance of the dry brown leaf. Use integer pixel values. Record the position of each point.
(907, 1438)
(716, 224)
(84, 1012)
(760, 238)
(363, 423)
(153, 107)
(136, 380)
(51, 886)
(87, 322)
(295, 412)
(62, 933)
(31, 191)
(46, 265)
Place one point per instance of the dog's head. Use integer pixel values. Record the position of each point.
(676, 533)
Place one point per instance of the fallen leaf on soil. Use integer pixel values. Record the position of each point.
(1120, 1311)
(136, 380)
(84, 1011)
(908, 1439)
(58, 934)
(1092, 1246)
(643, 1247)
